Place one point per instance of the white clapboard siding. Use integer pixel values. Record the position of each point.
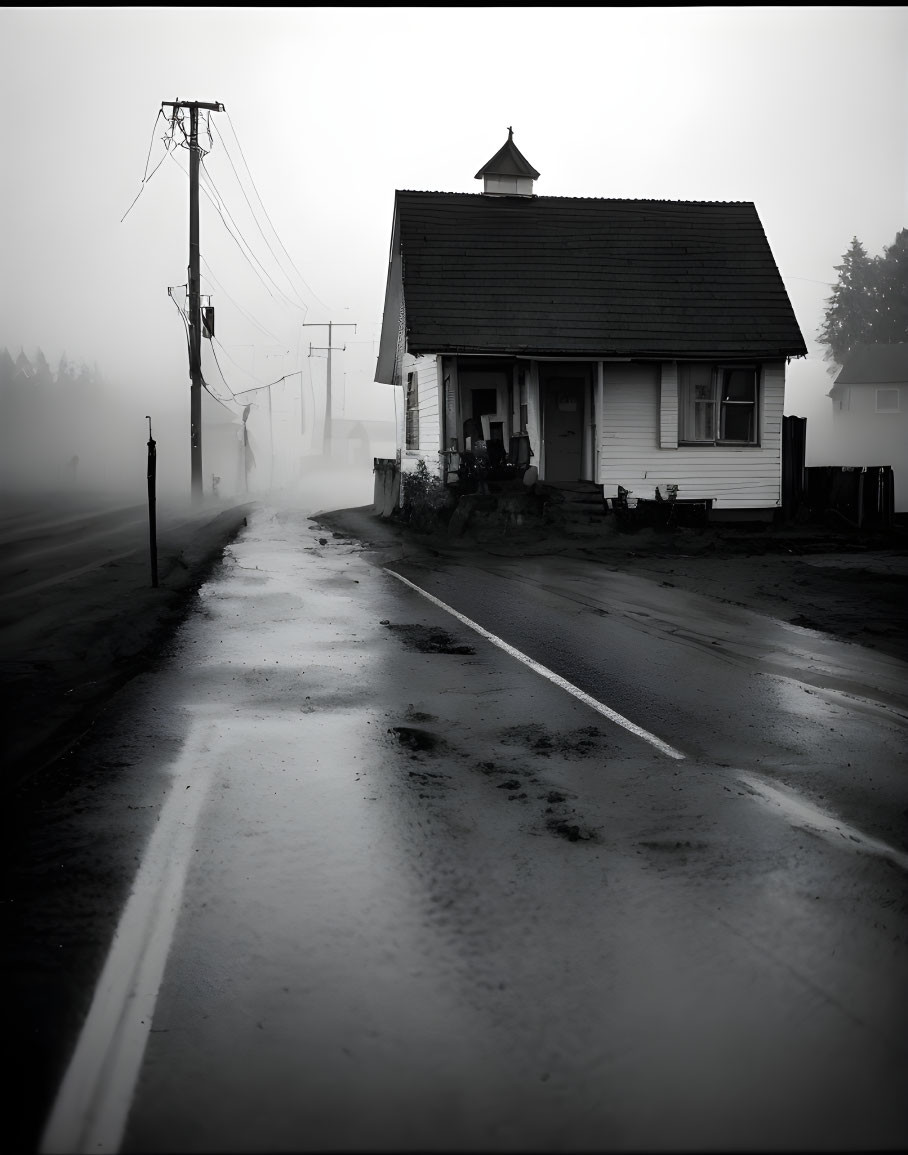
(426, 369)
(636, 423)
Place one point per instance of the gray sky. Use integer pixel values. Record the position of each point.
(802, 110)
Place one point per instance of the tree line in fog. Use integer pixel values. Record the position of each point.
(34, 372)
(61, 426)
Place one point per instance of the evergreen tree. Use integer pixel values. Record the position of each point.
(892, 322)
(851, 308)
(43, 375)
(869, 305)
(65, 373)
(7, 370)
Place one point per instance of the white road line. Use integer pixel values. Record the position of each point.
(93, 1102)
(798, 811)
(556, 679)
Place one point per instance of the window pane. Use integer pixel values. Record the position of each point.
(696, 396)
(737, 423)
(704, 421)
(738, 385)
(887, 400)
(412, 411)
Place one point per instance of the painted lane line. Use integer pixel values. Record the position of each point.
(545, 672)
(94, 1099)
(798, 812)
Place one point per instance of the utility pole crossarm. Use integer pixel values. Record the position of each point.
(329, 349)
(216, 107)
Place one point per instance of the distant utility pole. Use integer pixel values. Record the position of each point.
(326, 436)
(195, 310)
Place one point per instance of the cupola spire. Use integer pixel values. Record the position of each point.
(508, 173)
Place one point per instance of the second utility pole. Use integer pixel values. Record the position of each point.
(195, 308)
(326, 435)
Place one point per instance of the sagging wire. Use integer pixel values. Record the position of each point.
(230, 233)
(223, 201)
(249, 317)
(146, 176)
(265, 211)
(258, 388)
(243, 253)
(255, 218)
(205, 385)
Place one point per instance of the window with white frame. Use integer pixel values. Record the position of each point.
(718, 404)
(412, 411)
(887, 400)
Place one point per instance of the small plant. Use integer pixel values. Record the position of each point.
(424, 499)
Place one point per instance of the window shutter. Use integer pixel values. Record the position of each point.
(668, 406)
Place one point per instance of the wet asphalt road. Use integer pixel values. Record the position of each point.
(398, 895)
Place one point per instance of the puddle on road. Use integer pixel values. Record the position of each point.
(798, 812)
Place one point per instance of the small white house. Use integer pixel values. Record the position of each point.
(636, 344)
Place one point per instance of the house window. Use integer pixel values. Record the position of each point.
(412, 411)
(718, 404)
(887, 400)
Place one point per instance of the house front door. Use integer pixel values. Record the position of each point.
(563, 429)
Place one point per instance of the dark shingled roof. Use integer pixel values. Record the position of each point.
(875, 365)
(567, 276)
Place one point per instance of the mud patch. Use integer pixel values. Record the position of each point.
(572, 831)
(426, 640)
(539, 740)
(428, 785)
(414, 715)
(413, 738)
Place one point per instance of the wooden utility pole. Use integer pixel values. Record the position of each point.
(326, 436)
(195, 311)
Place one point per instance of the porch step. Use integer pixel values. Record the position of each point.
(578, 509)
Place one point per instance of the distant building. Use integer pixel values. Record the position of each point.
(870, 413)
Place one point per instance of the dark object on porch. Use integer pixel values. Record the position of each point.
(858, 496)
(489, 462)
(660, 512)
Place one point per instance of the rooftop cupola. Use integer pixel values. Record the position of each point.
(508, 173)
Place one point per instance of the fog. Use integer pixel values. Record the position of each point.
(71, 430)
(327, 111)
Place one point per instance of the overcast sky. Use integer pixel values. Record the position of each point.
(803, 111)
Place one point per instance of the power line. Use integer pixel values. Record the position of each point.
(252, 211)
(223, 201)
(221, 371)
(145, 177)
(205, 385)
(258, 388)
(265, 211)
(226, 353)
(235, 240)
(249, 317)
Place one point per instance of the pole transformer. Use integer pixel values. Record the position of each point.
(195, 305)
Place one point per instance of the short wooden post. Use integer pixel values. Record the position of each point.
(152, 513)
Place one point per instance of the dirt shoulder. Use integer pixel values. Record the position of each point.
(848, 585)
